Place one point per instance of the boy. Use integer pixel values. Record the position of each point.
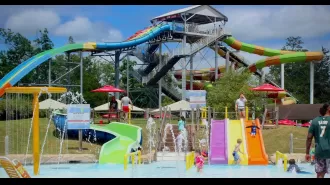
(254, 128)
(292, 165)
(237, 149)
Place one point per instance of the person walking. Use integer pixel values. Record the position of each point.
(125, 101)
(320, 131)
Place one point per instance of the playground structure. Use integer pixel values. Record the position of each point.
(220, 137)
(183, 26)
(36, 91)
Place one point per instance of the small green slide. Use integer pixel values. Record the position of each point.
(126, 137)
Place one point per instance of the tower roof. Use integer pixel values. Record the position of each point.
(200, 14)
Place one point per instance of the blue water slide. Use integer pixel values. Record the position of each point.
(27, 66)
(119, 45)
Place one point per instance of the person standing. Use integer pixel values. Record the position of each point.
(113, 107)
(320, 131)
(125, 101)
(240, 105)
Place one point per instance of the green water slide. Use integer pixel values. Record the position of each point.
(127, 137)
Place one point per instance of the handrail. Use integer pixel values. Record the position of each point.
(188, 50)
(190, 157)
(13, 170)
(132, 155)
(282, 156)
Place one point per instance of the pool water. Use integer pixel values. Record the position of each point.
(166, 169)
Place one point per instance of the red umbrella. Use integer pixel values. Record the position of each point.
(108, 88)
(267, 87)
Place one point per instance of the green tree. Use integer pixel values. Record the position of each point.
(227, 89)
(19, 49)
(296, 75)
(322, 79)
(133, 83)
(42, 43)
(167, 101)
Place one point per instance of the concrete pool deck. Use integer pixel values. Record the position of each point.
(54, 159)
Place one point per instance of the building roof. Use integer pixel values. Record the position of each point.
(201, 14)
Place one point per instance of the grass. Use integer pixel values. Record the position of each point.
(278, 139)
(275, 139)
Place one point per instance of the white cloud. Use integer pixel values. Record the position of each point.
(82, 29)
(28, 22)
(257, 23)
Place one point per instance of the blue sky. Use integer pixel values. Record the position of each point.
(267, 26)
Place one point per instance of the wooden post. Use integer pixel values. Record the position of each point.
(276, 116)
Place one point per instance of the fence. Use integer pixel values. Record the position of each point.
(296, 143)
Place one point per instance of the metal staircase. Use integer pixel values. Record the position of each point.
(147, 57)
(179, 53)
(167, 89)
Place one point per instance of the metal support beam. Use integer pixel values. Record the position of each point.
(227, 61)
(262, 78)
(66, 74)
(191, 69)
(81, 91)
(160, 80)
(183, 69)
(127, 73)
(117, 55)
(311, 96)
(49, 73)
(282, 76)
(216, 64)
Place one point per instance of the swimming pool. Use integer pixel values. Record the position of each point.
(163, 169)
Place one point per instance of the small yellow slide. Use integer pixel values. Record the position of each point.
(236, 131)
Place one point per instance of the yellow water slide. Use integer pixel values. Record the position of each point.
(236, 131)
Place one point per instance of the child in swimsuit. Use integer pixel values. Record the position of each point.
(254, 128)
(199, 160)
(292, 165)
(237, 158)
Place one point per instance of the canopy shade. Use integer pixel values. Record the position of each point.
(177, 106)
(267, 87)
(108, 88)
(105, 107)
(51, 104)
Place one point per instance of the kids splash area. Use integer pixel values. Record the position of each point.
(53, 139)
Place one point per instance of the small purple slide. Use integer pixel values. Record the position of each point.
(218, 143)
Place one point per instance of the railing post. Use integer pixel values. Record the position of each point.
(139, 157)
(246, 113)
(125, 162)
(291, 144)
(276, 116)
(6, 145)
(209, 114)
(226, 112)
